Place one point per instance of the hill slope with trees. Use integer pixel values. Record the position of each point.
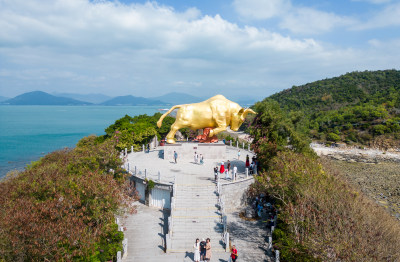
(321, 216)
(358, 107)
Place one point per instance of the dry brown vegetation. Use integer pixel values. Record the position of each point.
(322, 217)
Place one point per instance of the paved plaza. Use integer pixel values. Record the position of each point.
(195, 214)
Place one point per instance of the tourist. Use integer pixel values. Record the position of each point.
(175, 156)
(202, 249)
(222, 168)
(228, 166)
(234, 253)
(251, 168)
(201, 159)
(196, 157)
(216, 173)
(247, 161)
(226, 174)
(259, 209)
(208, 250)
(238, 154)
(196, 250)
(234, 172)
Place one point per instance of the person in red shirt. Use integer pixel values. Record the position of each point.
(234, 253)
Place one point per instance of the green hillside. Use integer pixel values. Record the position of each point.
(358, 107)
(323, 217)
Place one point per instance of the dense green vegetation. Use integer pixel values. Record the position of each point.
(137, 131)
(62, 207)
(321, 217)
(358, 107)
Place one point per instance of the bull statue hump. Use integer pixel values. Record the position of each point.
(216, 113)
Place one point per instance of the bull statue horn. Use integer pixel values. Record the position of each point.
(245, 112)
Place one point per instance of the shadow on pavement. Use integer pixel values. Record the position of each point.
(164, 228)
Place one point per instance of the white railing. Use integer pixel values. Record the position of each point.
(124, 252)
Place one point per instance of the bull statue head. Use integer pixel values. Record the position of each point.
(239, 117)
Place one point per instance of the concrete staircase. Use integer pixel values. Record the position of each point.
(196, 215)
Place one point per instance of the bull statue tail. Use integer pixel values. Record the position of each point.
(159, 122)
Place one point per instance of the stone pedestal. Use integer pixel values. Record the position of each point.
(186, 150)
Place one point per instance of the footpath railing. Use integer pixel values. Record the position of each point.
(168, 236)
(224, 222)
(124, 252)
(146, 175)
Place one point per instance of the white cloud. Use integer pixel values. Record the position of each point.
(261, 9)
(310, 21)
(148, 49)
(296, 19)
(377, 2)
(387, 17)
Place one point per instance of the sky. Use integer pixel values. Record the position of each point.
(239, 48)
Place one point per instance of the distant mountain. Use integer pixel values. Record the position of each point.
(132, 101)
(3, 98)
(42, 98)
(92, 98)
(176, 98)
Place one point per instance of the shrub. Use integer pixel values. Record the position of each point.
(378, 130)
(62, 207)
(333, 137)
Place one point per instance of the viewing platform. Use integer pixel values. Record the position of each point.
(194, 207)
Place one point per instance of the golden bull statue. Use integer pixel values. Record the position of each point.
(217, 113)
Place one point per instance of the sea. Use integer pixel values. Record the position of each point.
(30, 132)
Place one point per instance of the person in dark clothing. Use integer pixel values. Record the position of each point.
(202, 249)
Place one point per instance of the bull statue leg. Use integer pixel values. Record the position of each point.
(220, 121)
(221, 126)
(172, 132)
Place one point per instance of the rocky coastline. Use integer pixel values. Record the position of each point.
(374, 172)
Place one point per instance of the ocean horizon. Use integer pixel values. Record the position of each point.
(30, 132)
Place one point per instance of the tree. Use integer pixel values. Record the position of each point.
(273, 132)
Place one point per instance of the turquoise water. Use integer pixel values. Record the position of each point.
(29, 132)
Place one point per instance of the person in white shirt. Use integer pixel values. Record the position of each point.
(196, 250)
(234, 172)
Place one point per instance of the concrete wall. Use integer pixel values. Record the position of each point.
(234, 194)
(151, 201)
(186, 150)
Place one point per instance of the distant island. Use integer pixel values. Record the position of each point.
(91, 98)
(175, 98)
(43, 98)
(3, 98)
(132, 101)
